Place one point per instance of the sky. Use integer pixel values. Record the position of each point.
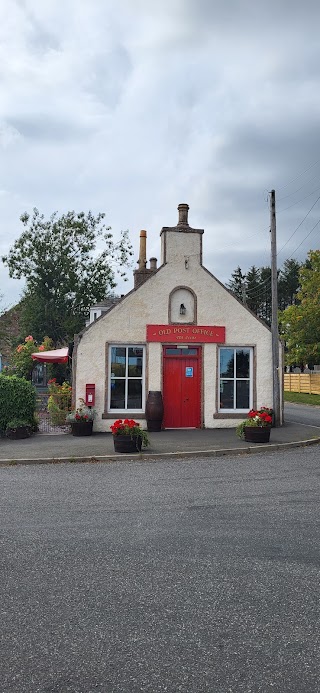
(130, 107)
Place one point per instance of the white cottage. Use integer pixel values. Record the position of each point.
(181, 332)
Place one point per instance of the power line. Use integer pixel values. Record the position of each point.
(260, 287)
(305, 238)
(299, 176)
(298, 227)
(284, 197)
(296, 203)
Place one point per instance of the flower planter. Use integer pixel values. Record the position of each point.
(127, 444)
(257, 434)
(19, 432)
(81, 428)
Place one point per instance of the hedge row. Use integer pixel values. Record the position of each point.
(17, 400)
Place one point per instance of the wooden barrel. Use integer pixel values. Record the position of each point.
(154, 410)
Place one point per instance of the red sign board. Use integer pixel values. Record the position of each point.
(186, 333)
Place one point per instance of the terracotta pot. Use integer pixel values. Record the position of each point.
(257, 434)
(81, 428)
(154, 410)
(126, 443)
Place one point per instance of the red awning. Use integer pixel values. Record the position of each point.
(54, 356)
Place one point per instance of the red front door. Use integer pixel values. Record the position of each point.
(181, 387)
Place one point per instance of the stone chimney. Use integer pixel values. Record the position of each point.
(183, 210)
(142, 273)
(181, 242)
(143, 250)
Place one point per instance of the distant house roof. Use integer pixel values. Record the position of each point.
(106, 303)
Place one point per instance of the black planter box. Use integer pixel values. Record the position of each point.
(81, 428)
(19, 432)
(127, 444)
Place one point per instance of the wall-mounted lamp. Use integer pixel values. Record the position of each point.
(182, 309)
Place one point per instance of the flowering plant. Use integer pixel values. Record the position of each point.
(82, 413)
(130, 428)
(21, 362)
(258, 418)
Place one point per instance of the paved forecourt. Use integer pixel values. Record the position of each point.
(65, 447)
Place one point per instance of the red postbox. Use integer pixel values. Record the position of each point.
(90, 395)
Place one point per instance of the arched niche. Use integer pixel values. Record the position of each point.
(182, 306)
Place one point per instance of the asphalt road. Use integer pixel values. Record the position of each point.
(303, 414)
(186, 575)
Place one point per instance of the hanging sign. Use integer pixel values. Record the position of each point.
(186, 333)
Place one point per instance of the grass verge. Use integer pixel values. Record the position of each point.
(301, 398)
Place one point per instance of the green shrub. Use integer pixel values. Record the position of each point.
(17, 423)
(17, 401)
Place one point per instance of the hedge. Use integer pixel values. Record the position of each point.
(17, 400)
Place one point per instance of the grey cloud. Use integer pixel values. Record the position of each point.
(49, 128)
(108, 75)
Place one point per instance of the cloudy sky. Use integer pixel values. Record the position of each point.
(133, 106)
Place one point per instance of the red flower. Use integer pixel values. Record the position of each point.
(125, 426)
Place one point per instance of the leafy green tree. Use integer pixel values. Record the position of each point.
(21, 362)
(300, 323)
(69, 263)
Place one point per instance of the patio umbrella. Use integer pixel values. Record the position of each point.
(54, 356)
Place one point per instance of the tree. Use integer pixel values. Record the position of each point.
(65, 269)
(288, 285)
(254, 293)
(22, 363)
(300, 323)
(237, 283)
(254, 288)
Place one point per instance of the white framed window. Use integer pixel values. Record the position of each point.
(235, 379)
(126, 378)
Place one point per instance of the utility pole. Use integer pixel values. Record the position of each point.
(274, 306)
(243, 291)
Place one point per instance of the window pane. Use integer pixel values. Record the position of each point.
(173, 351)
(226, 394)
(117, 398)
(243, 388)
(226, 363)
(118, 362)
(242, 363)
(134, 394)
(135, 356)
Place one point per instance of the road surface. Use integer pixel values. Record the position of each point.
(302, 413)
(188, 575)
